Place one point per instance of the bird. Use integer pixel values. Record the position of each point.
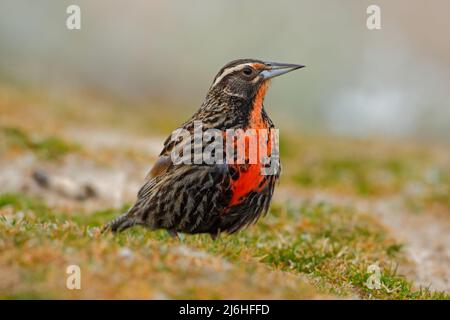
(220, 197)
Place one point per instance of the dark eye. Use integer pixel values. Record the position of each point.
(247, 71)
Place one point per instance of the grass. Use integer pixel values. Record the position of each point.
(333, 245)
(306, 248)
(37, 245)
(317, 243)
(370, 170)
(335, 172)
(49, 147)
(336, 245)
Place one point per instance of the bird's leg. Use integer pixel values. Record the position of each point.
(173, 234)
(216, 235)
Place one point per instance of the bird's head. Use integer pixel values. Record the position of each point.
(244, 77)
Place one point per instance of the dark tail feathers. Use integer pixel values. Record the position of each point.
(121, 223)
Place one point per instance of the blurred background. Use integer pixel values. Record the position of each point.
(391, 82)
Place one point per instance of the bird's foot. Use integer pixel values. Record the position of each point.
(215, 236)
(173, 234)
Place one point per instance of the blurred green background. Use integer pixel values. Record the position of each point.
(391, 82)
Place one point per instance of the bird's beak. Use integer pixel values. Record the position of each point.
(275, 69)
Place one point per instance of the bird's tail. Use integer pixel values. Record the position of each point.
(121, 223)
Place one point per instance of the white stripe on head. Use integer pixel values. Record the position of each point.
(231, 70)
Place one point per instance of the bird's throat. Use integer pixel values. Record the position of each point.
(256, 120)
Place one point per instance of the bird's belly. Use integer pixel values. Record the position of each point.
(250, 179)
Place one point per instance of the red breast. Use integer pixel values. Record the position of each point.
(250, 178)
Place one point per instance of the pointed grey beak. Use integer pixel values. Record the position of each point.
(275, 69)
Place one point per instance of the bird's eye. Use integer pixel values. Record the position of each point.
(247, 71)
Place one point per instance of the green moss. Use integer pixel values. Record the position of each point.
(363, 174)
(331, 244)
(334, 245)
(22, 202)
(28, 295)
(50, 147)
(97, 218)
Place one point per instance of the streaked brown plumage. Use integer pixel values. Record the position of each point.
(202, 198)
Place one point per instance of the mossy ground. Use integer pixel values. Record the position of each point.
(307, 247)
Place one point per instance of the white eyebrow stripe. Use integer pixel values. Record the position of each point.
(231, 70)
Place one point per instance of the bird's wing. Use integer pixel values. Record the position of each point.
(161, 166)
(187, 197)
